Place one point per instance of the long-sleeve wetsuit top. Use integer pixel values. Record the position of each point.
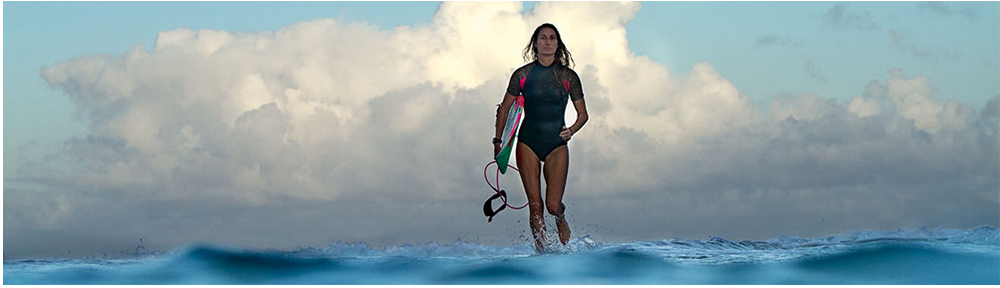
(546, 91)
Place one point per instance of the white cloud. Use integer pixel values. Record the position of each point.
(370, 126)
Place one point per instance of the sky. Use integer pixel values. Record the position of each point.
(283, 125)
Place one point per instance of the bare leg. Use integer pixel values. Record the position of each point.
(556, 169)
(530, 170)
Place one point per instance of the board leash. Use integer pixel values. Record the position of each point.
(500, 193)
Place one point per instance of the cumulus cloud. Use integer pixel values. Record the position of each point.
(326, 131)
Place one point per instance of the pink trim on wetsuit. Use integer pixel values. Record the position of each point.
(565, 84)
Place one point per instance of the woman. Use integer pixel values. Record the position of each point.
(548, 82)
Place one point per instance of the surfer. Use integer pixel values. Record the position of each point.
(547, 83)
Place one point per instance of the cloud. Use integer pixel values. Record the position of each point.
(940, 8)
(330, 131)
(782, 41)
(904, 43)
(838, 17)
(810, 68)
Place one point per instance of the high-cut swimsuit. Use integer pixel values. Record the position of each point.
(545, 99)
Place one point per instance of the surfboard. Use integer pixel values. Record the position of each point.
(510, 134)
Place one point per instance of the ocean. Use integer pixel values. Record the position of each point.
(920, 256)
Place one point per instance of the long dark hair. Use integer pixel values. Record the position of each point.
(562, 54)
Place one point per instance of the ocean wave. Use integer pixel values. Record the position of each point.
(985, 235)
(919, 256)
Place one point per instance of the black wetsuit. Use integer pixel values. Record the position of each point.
(546, 91)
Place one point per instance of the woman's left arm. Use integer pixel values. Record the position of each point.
(581, 119)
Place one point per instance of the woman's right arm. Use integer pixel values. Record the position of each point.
(508, 100)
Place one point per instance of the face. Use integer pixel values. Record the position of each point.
(546, 42)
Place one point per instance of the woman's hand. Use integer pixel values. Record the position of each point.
(496, 150)
(566, 133)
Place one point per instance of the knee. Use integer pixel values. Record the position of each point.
(556, 209)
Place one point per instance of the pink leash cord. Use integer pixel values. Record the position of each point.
(497, 188)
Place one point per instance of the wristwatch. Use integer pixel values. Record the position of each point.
(497, 140)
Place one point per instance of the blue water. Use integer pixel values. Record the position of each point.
(921, 256)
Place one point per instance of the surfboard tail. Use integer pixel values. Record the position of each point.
(510, 134)
(504, 157)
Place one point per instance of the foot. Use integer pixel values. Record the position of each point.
(540, 245)
(563, 228)
(538, 232)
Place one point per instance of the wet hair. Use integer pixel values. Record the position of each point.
(562, 54)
